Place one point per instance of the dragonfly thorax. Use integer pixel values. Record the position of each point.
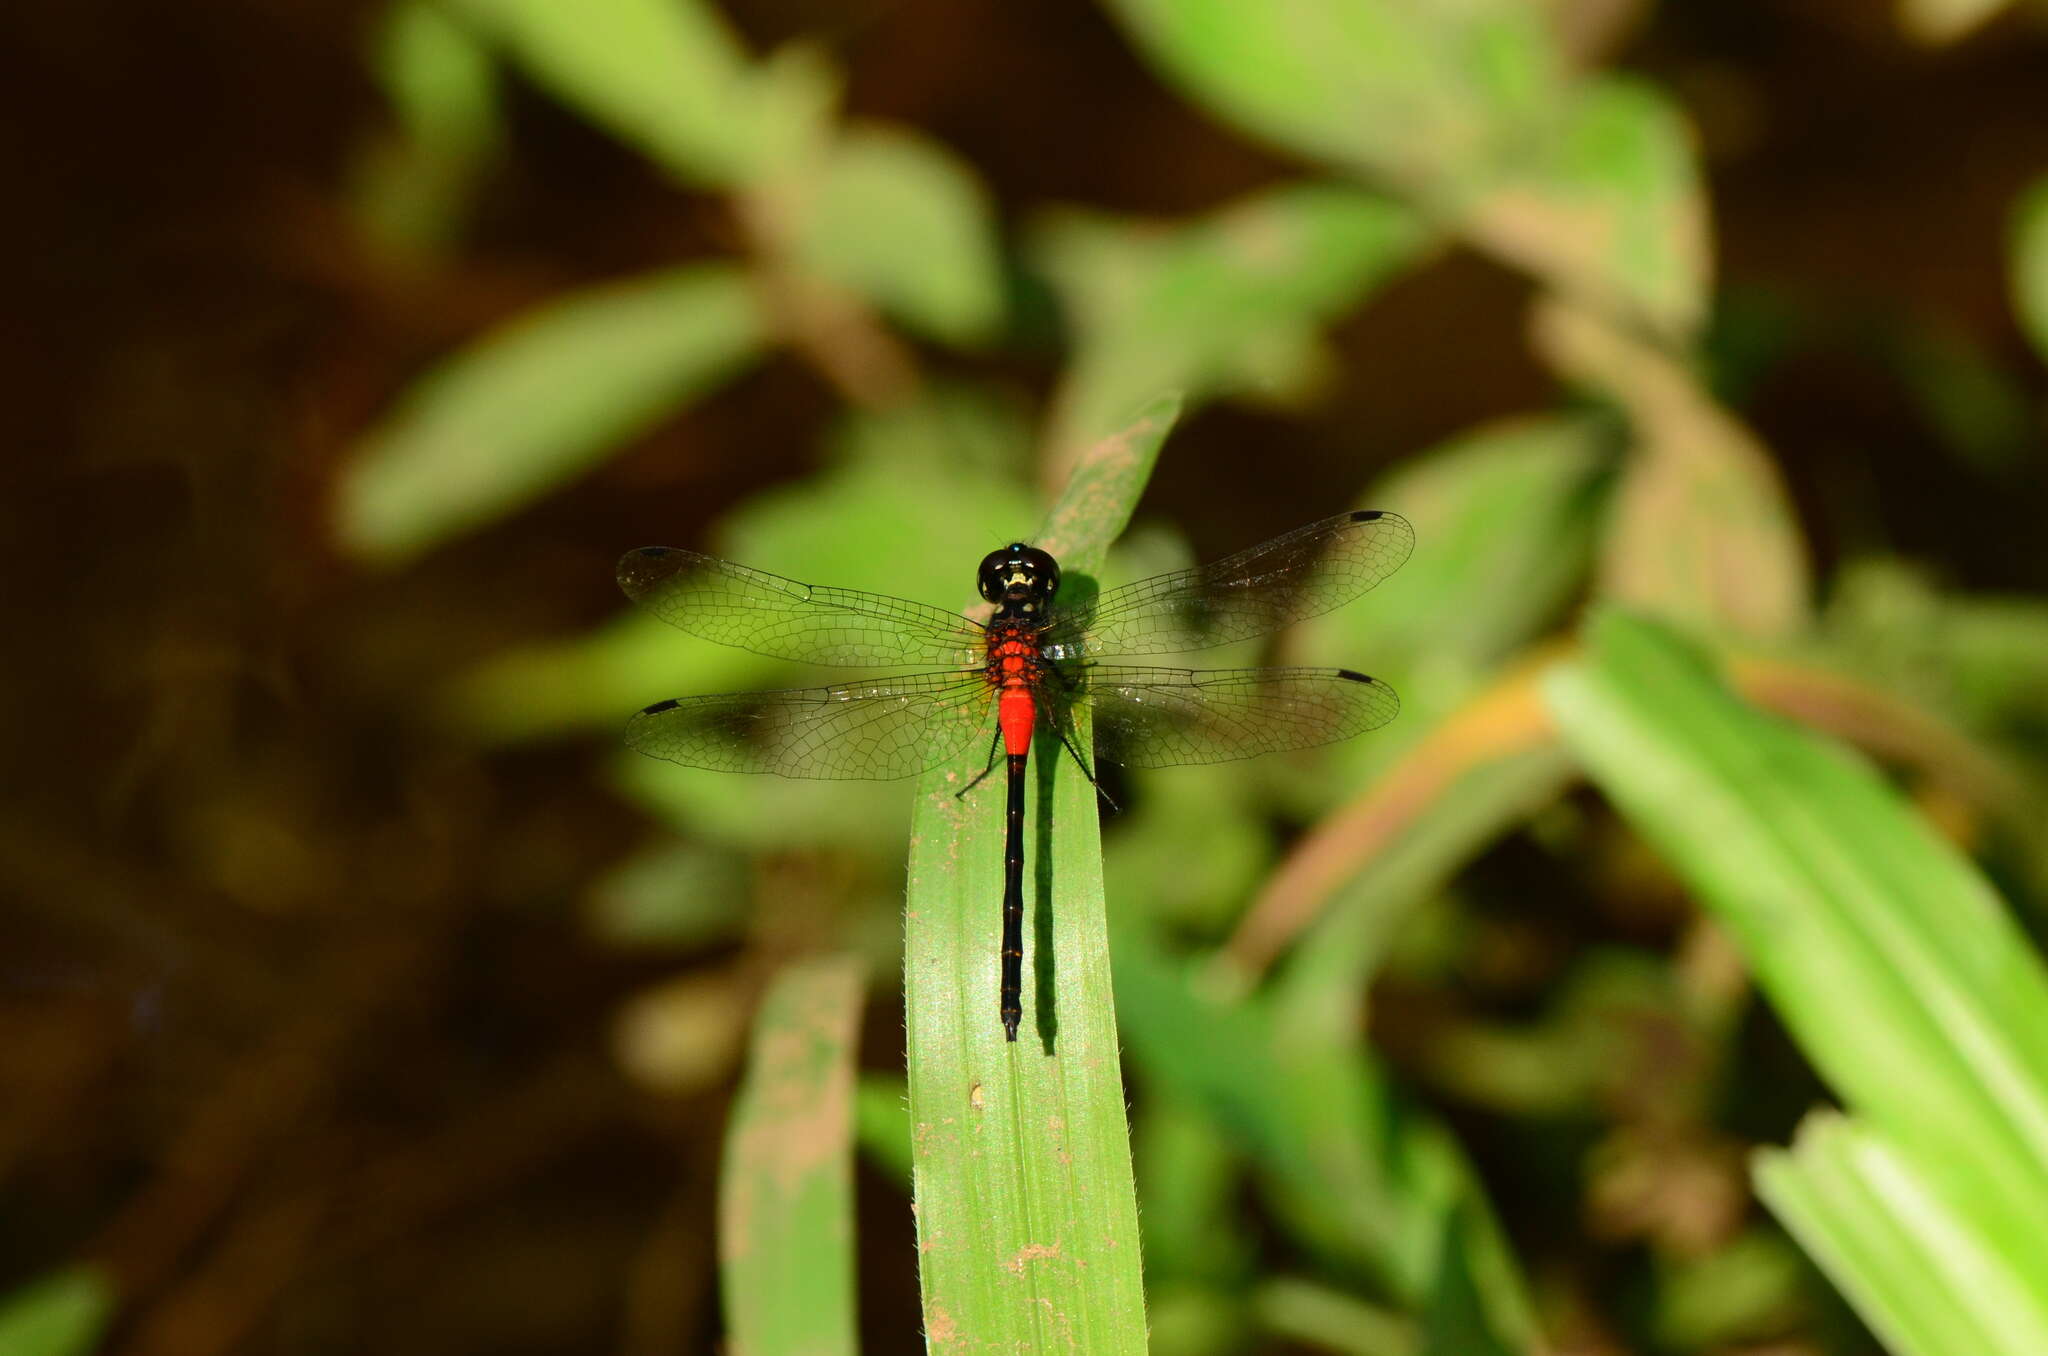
(1019, 579)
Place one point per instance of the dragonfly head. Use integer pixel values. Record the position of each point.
(1019, 578)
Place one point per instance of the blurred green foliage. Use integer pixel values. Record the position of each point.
(529, 407)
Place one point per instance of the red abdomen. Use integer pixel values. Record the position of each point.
(1014, 667)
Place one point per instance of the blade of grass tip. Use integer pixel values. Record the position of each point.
(785, 1206)
(1027, 1215)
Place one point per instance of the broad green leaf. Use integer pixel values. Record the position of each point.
(785, 1201)
(62, 1314)
(1889, 958)
(411, 189)
(666, 76)
(538, 402)
(2030, 264)
(898, 219)
(1204, 307)
(1418, 94)
(1027, 1219)
(1921, 1271)
(1610, 213)
(1465, 112)
(1703, 529)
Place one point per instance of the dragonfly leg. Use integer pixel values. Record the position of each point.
(1088, 772)
(1066, 680)
(995, 747)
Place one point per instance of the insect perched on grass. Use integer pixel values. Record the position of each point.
(1032, 660)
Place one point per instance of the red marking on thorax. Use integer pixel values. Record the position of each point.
(1013, 667)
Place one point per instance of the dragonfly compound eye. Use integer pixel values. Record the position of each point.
(1018, 572)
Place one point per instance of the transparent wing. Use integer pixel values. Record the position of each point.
(1304, 573)
(872, 731)
(1146, 717)
(783, 619)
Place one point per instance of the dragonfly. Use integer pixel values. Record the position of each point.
(1036, 660)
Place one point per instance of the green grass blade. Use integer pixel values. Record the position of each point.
(1229, 301)
(1890, 959)
(1027, 1217)
(900, 220)
(785, 1208)
(1916, 1270)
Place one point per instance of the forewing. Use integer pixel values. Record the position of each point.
(783, 619)
(1147, 717)
(1304, 573)
(875, 731)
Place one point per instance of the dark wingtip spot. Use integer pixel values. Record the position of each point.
(668, 705)
(1366, 515)
(651, 551)
(1352, 674)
